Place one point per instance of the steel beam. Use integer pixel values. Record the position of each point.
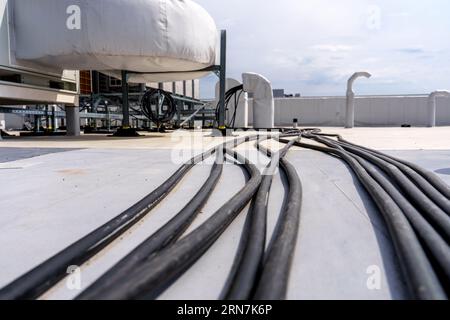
(223, 78)
(125, 102)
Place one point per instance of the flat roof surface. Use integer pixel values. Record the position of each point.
(56, 190)
(377, 138)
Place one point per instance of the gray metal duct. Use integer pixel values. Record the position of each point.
(432, 105)
(350, 110)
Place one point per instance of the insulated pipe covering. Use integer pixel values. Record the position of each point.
(263, 103)
(350, 109)
(147, 36)
(432, 105)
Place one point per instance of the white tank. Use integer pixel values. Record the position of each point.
(110, 35)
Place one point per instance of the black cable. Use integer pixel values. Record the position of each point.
(248, 261)
(156, 274)
(228, 96)
(432, 178)
(37, 281)
(440, 199)
(236, 106)
(273, 282)
(149, 276)
(435, 244)
(165, 236)
(431, 234)
(41, 278)
(433, 213)
(151, 102)
(431, 239)
(417, 269)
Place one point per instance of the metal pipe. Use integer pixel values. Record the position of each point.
(73, 121)
(223, 78)
(263, 103)
(350, 109)
(432, 106)
(125, 107)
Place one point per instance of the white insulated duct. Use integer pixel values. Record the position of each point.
(350, 107)
(242, 110)
(432, 105)
(150, 36)
(263, 104)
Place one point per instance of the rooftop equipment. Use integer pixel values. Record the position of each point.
(22, 84)
(350, 110)
(162, 40)
(432, 105)
(263, 104)
(159, 41)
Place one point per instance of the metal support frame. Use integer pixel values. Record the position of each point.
(223, 78)
(37, 123)
(220, 71)
(125, 102)
(54, 119)
(47, 117)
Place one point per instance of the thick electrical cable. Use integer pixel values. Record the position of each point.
(413, 202)
(37, 281)
(249, 258)
(155, 275)
(41, 278)
(158, 106)
(431, 239)
(428, 189)
(165, 236)
(432, 178)
(431, 211)
(233, 92)
(417, 269)
(273, 282)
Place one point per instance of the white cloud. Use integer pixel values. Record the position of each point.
(332, 48)
(313, 46)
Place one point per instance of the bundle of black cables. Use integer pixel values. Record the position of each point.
(158, 106)
(235, 93)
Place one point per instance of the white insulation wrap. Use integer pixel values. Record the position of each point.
(153, 36)
(263, 103)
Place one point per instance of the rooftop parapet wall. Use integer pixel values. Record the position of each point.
(370, 111)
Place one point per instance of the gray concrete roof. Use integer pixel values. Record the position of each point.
(52, 199)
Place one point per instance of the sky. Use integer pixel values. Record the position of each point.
(312, 47)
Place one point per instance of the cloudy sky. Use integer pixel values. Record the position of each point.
(312, 46)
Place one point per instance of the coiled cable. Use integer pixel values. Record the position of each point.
(158, 106)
